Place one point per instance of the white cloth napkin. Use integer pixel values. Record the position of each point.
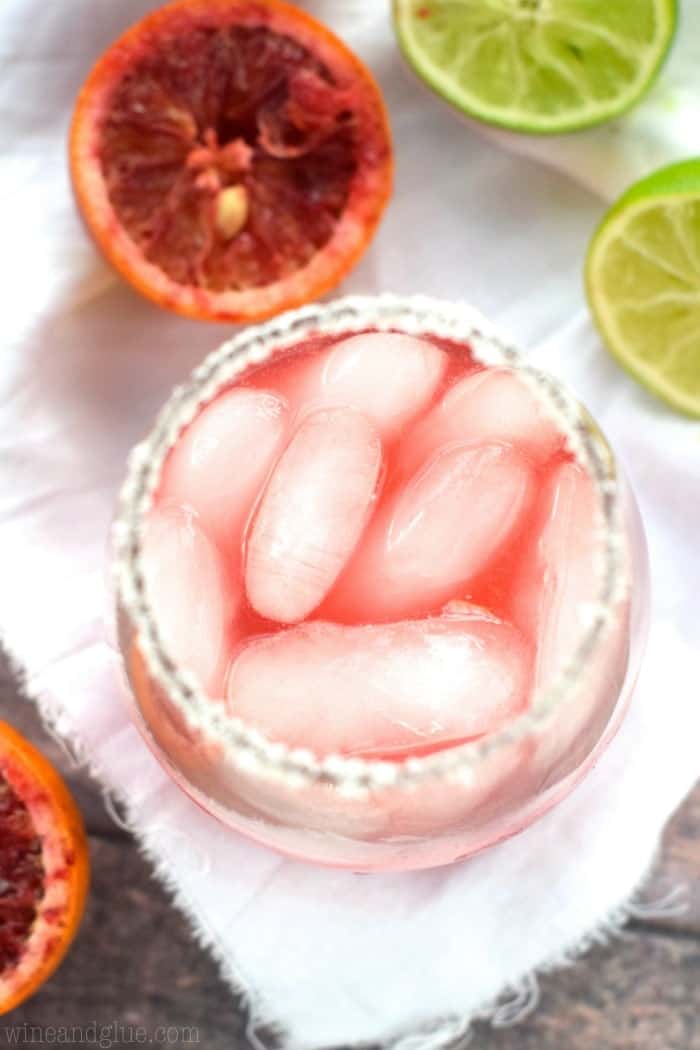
(330, 956)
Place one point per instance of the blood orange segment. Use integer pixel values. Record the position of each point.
(21, 875)
(231, 157)
(43, 869)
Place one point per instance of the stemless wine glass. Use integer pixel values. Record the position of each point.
(421, 811)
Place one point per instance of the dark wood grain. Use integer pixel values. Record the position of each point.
(638, 993)
(135, 963)
(680, 869)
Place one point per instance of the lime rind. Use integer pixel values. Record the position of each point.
(587, 60)
(642, 278)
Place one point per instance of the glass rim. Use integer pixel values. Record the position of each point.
(246, 746)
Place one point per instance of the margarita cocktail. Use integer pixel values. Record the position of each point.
(375, 583)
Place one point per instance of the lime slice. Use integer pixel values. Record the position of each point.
(643, 283)
(537, 65)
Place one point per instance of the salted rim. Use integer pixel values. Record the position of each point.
(246, 746)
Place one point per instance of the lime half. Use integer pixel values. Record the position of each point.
(643, 283)
(537, 65)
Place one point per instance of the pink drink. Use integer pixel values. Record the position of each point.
(379, 547)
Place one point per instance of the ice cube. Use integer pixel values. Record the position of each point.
(434, 534)
(312, 513)
(388, 377)
(558, 580)
(389, 689)
(223, 458)
(185, 586)
(494, 404)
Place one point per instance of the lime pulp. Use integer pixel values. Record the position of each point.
(643, 283)
(537, 65)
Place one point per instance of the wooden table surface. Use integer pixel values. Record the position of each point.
(134, 962)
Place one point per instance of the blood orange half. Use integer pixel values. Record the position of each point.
(43, 869)
(231, 158)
